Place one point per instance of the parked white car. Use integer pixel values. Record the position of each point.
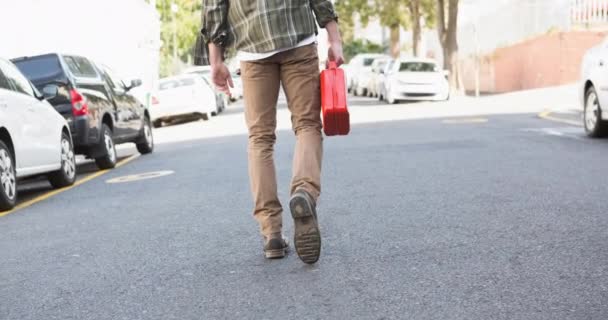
(183, 97)
(375, 77)
(222, 99)
(361, 68)
(592, 90)
(416, 79)
(34, 138)
(381, 82)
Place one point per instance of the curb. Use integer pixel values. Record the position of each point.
(547, 115)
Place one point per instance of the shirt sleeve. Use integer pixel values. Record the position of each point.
(214, 21)
(324, 11)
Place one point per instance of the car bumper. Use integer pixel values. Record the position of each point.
(161, 112)
(420, 93)
(82, 135)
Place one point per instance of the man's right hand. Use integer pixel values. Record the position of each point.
(220, 75)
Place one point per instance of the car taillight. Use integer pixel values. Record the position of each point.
(79, 104)
(154, 101)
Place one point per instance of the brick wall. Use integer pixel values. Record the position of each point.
(547, 60)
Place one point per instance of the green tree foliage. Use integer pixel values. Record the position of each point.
(186, 23)
(394, 14)
(354, 47)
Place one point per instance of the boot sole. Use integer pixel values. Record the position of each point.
(275, 254)
(307, 238)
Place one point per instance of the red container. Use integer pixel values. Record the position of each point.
(336, 120)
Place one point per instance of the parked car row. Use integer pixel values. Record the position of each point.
(55, 106)
(395, 80)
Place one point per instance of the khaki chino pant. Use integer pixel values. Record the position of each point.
(298, 71)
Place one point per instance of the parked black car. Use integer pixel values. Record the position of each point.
(96, 104)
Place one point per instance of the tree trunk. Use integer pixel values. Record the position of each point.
(448, 33)
(416, 27)
(395, 46)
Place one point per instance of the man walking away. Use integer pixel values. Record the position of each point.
(276, 44)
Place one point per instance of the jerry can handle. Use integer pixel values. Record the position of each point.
(332, 65)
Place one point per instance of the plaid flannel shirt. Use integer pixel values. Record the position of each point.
(259, 26)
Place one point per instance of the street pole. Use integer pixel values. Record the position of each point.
(477, 63)
(174, 9)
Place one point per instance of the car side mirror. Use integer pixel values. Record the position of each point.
(134, 84)
(50, 91)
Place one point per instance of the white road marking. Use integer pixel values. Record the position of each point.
(566, 132)
(141, 176)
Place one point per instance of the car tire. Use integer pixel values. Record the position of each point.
(145, 142)
(595, 127)
(8, 179)
(109, 159)
(66, 175)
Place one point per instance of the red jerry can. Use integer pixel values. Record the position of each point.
(336, 120)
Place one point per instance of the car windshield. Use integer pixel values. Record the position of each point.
(201, 72)
(417, 67)
(176, 83)
(39, 67)
(368, 61)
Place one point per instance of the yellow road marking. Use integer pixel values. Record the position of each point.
(465, 120)
(547, 116)
(58, 191)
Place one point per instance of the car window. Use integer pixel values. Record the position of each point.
(116, 83)
(80, 67)
(368, 61)
(16, 79)
(168, 84)
(38, 68)
(186, 82)
(417, 67)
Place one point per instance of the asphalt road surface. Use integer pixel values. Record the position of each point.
(495, 217)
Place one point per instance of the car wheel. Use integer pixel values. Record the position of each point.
(66, 175)
(145, 144)
(363, 92)
(8, 179)
(595, 127)
(108, 161)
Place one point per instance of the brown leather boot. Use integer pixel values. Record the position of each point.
(307, 237)
(275, 246)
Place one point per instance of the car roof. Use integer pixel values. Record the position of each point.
(423, 60)
(370, 55)
(179, 77)
(196, 68)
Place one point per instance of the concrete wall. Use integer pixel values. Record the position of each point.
(547, 60)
